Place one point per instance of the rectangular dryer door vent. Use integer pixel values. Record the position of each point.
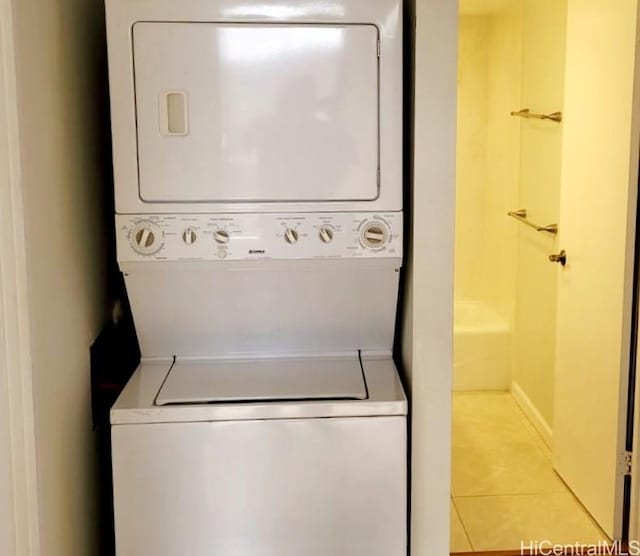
(173, 113)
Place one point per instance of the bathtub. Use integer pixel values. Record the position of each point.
(481, 343)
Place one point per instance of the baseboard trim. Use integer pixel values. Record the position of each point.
(532, 413)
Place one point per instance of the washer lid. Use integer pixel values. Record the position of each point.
(246, 380)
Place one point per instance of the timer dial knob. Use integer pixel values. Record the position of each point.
(145, 238)
(291, 236)
(326, 234)
(374, 235)
(189, 236)
(221, 237)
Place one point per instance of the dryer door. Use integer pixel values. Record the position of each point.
(256, 112)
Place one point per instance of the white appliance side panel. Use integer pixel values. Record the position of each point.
(122, 15)
(261, 112)
(316, 487)
(214, 308)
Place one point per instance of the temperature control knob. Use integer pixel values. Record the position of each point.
(221, 236)
(145, 238)
(326, 234)
(291, 236)
(374, 235)
(189, 236)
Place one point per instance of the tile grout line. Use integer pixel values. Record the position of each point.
(464, 528)
(537, 442)
(548, 453)
(510, 494)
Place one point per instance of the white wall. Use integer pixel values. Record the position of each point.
(484, 6)
(59, 47)
(471, 159)
(8, 521)
(433, 243)
(487, 178)
(543, 70)
(7, 512)
(488, 158)
(504, 82)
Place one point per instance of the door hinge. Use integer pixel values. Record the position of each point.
(625, 464)
(379, 48)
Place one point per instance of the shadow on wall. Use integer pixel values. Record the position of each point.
(115, 353)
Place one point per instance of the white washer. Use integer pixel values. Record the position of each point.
(287, 441)
(258, 185)
(320, 476)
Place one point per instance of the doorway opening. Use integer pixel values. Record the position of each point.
(544, 274)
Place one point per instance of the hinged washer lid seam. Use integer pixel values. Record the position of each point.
(266, 379)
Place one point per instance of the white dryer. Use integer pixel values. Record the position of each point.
(258, 180)
(256, 106)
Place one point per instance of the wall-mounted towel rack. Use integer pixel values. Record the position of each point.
(526, 113)
(521, 216)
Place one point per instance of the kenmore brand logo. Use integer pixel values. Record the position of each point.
(256, 251)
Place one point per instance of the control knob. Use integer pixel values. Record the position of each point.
(326, 234)
(291, 236)
(221, 237)
(145, 238)
(374, 235)
(189, 236)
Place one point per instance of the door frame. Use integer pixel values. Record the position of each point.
(20, 501)
(633, 524)
(633, 387)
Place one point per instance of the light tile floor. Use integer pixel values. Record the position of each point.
(504, 489)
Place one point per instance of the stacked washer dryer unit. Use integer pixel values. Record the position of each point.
(258, 182)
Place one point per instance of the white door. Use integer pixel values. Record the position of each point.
(256, 112)
(597, 225)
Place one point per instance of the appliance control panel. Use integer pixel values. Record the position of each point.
(207, 237)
